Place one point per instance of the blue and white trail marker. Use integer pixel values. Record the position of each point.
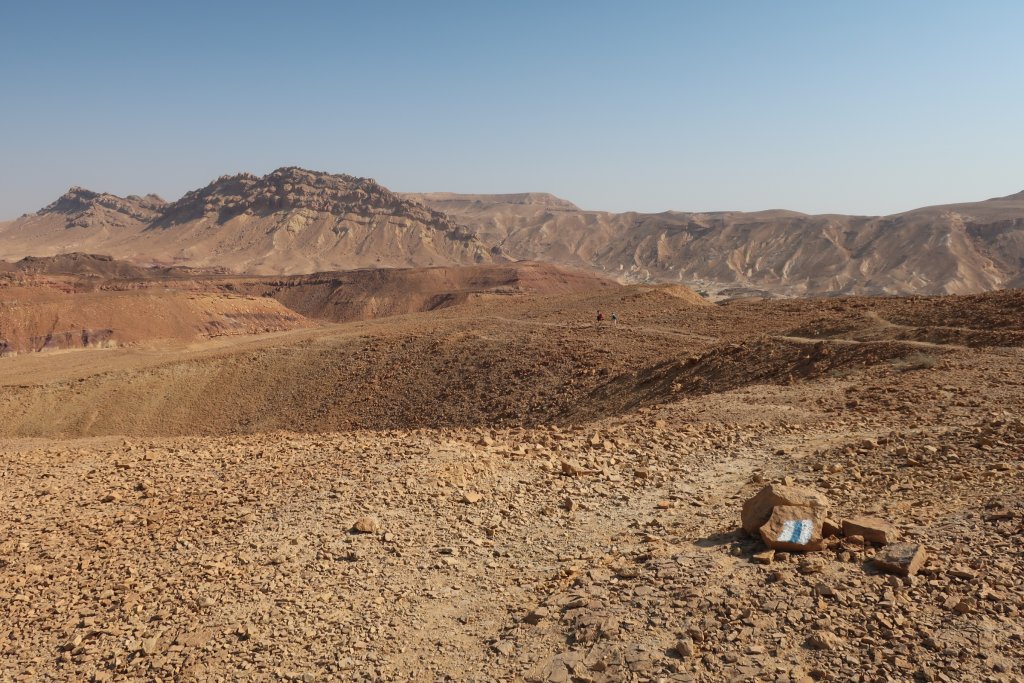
(797, 531)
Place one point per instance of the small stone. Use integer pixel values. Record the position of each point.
(872, 529)
(962, 572)
(764, 557)
(686, 648)
(831, 527)
(964, 606)
(471, 497)
(537, 615)
(824, 640)
(904, 559)
(811, 565)
(366, 525)
(72, 642)
(571, 468)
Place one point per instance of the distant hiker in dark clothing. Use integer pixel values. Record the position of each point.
(615, 318)
(600, 317)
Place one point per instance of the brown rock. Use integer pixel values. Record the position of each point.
(872, 529)
(903, 559)
(824, 640)
(537, 615)
(830, 527)
(149, 645)
(962, 572)
(811, 565)
(366, 525)
(758, 510)
(571, 468)
(685, 648)
(794, 528)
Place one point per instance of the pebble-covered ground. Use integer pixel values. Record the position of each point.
(603, 550)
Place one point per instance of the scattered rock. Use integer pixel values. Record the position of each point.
(366, 525)
(824, 640)
(904, 559)
(872, 529)
(686, 648)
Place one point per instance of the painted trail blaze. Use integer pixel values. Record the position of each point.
(796, 531)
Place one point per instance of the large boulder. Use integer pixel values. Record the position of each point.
(758, 510)
(794, 527)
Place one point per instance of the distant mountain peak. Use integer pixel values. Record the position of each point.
(83, 207)
(541, 199)
(290, 188)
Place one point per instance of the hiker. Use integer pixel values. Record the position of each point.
(600, 317)
(615, 318)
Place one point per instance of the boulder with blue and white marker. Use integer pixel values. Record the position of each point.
(758, 509)
(794, 528)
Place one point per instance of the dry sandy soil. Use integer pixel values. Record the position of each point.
(502, 490)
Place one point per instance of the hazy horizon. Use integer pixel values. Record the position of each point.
(866, 109)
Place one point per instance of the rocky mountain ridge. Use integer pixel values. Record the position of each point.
(288, 222)
(953, 248)
(84, 207)
(295, 221)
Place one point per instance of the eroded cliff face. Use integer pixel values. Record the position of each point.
(957, 248)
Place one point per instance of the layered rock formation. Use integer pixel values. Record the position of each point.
(289, 221)
(956, 248)
(294, 221)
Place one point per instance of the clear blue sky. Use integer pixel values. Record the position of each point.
(872, 106)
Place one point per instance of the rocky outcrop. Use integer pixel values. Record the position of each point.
(290, 221)
(84, 208)
(291, 189)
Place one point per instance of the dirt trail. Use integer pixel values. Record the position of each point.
(855, 342)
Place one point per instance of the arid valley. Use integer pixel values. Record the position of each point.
(353, 437)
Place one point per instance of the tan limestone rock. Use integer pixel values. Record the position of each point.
(792, 527)
(904, 559)
(758, 509)
(872, 529)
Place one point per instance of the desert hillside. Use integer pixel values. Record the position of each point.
(82, 300)
(502, 489)
(957, 248)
